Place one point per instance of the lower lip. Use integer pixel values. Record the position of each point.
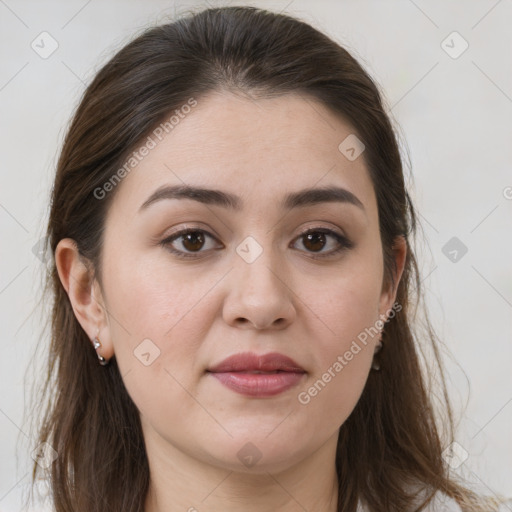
(259, 384)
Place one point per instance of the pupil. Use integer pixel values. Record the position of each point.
(193, 241)
(318, 240)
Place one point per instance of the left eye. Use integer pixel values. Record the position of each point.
(315, 240)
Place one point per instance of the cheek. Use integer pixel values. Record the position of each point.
(158, 318)
(332, 394)
(152, 298)
(345, 340)
(342, 357)
(348, 305)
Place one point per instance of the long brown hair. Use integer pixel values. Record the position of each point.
(390, 447)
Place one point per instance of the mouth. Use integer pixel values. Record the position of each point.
(250, 362)
(258, 376)
(257, 372)
(259, 384)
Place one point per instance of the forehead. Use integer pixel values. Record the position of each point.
(256, 149)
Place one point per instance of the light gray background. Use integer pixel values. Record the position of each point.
(455, 115)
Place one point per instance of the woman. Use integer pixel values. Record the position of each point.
(233, 283)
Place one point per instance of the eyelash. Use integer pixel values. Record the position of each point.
(345, 243)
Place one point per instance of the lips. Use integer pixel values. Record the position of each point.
(258, 376)
(249, 362)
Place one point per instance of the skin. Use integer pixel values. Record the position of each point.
(200, 310)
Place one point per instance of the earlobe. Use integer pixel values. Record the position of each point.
(83, 292)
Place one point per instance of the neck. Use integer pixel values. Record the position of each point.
(180, 483)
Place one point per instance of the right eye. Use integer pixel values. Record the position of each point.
(191, 240)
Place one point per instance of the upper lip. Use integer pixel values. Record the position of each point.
(249, 361)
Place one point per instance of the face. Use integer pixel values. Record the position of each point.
(259, 273)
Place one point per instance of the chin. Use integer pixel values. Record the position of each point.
(256, 454)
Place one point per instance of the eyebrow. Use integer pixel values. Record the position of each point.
(302, 198)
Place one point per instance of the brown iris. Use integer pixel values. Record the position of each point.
(317, 240)
(193, 241)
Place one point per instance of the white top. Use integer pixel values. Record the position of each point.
(442, 503)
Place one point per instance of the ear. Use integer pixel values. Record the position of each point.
(389, 290)
(84, 294)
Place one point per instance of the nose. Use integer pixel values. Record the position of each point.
(258, 295)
